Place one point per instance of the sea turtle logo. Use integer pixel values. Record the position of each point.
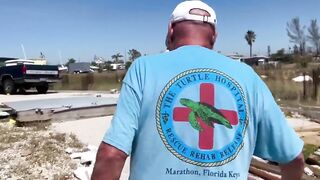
(207, 113)
(201, 117)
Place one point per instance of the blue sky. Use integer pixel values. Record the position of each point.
(81, 29)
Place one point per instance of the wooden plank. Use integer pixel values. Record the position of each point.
(267, 167)
(273, 169)
(264, 174)
(315, 171)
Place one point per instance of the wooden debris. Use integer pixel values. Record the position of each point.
(264, 174)
(265, 170)
(315, 169)
(264, 166)
(313, 160)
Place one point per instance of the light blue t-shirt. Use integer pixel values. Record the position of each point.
(195, 114)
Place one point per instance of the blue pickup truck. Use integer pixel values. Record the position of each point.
(16, 76)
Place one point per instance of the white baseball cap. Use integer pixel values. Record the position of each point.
(183, 12)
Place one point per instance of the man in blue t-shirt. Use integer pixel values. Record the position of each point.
(192, 113)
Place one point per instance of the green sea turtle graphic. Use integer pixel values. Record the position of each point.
(208, 114)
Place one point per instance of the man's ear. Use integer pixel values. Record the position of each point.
(169, 38)
(214, 37)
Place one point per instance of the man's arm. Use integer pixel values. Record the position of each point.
(109, 163)
(294, 169)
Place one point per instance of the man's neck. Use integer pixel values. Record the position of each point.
(191, 42)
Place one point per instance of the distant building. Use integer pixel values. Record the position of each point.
(118, 66)
(80, 67)
(236, 57)
(98, 60)
(39, 61)
(257, 60)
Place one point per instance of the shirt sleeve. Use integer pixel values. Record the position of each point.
(124, 124)
(276, 140)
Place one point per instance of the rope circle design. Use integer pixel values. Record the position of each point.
(158, 119)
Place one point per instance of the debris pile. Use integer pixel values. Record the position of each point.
(302, 78)
(35, 152)
(114, 91)
(86, 161)
(262, 169)
(5, 112)
(309, 131)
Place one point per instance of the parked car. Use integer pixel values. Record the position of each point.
(17, 74)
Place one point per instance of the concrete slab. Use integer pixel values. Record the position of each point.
(63, 102)
(54, 95)
(60, 106)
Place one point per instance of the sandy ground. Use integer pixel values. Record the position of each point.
(303, 124)
(309, 131)
(90, 131)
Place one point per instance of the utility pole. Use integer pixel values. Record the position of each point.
(24, 52)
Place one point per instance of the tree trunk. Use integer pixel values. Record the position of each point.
(250, 50)
(304, 86)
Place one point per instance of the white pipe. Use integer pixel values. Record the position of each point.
(24, 52)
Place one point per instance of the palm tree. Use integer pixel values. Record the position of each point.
(133, 54)
(250, 37)
(116, 57)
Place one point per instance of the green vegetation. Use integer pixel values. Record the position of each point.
(279, 80)
(91, 81)
(70, 61)
(116, 57)
(314, 35)
(296, 34)
(133, 54)
(309, 149)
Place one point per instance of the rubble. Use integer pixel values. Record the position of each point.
(35, 153)
(86, 164)
(309, 132)
(308, 171)
(267, 170)
(5, 111)
(83, 173)
(301, 78)
(3, 115)
(114, 91)
(78, 162)
(317, 152)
